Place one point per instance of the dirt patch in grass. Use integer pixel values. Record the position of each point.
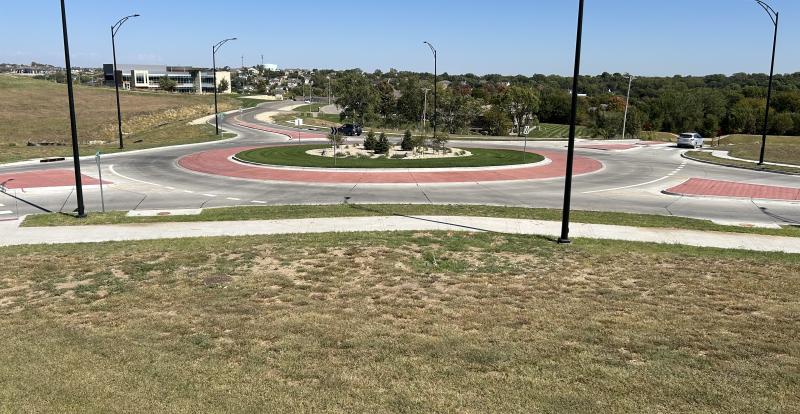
(434, 321)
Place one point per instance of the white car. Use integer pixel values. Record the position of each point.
(690, 139)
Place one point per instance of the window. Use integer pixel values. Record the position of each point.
(139, 78)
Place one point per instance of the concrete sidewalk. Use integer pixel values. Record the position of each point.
(12, 234)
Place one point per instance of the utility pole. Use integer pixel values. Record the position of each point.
(329, 89)
(627, 101)
(72, 121)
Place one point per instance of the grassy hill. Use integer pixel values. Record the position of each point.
(36, 111)
(782, 149)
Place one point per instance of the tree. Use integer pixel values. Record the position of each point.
(605, 124)
(167, 84)
(498, 121)
(383, 145)
(780, 123)
(370, 141)
(439, 141)
(523, 104)
(407, 144)
(357, 96)
(223, 86)
(386, 103)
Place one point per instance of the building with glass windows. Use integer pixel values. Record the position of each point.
(188, 79)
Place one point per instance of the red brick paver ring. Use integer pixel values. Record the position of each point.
(715, 188)
(218, 162)
(45, 178)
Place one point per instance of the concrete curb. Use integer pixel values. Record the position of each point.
(721, 164)
(545, 161)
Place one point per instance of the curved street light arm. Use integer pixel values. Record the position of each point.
(115, 28)
(430, 46)
(222, 42)
(773, 15)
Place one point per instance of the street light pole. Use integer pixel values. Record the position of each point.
(72, 122)
(773, 15)
(564, 239)
(114, 30)
(435, 80)
(627, 102)
(214, 50)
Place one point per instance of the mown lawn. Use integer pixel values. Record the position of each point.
(36, 111)
(295, 155)
(784, 150)
(546, 130)
(397, 322)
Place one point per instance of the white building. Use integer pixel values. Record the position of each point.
(188, 79)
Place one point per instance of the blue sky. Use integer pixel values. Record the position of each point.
(645, 37)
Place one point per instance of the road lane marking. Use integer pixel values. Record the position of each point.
(6, 212)
(113, 171)
(169, 188)
(234, 199)
(188, 191)
(259, 202)
(209, 195)
(675, 171)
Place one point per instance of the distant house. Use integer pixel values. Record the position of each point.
(29, 71)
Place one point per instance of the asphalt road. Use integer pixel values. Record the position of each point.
(631, 181)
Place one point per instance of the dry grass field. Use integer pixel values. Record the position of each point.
(36, 110)
(397, 322)
(785, 150)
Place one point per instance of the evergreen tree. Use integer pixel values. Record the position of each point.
(370, 142)
(407, 144)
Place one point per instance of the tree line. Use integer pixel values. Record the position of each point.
(711, 105)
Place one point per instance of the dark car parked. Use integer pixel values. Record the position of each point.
(350, 130)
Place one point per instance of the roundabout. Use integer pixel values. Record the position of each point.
(486, 165)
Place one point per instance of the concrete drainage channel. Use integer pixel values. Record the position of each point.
(161, 213)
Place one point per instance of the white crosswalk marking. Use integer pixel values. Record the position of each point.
(2, 205)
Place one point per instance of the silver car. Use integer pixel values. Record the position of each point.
(690, 139)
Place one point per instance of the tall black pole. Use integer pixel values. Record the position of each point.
(769, 93)
(114, 29)
(116, 87)
(72, 121)
(435, 81)
(214, 63)
(564, 239)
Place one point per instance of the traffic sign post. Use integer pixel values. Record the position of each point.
(100, 177)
